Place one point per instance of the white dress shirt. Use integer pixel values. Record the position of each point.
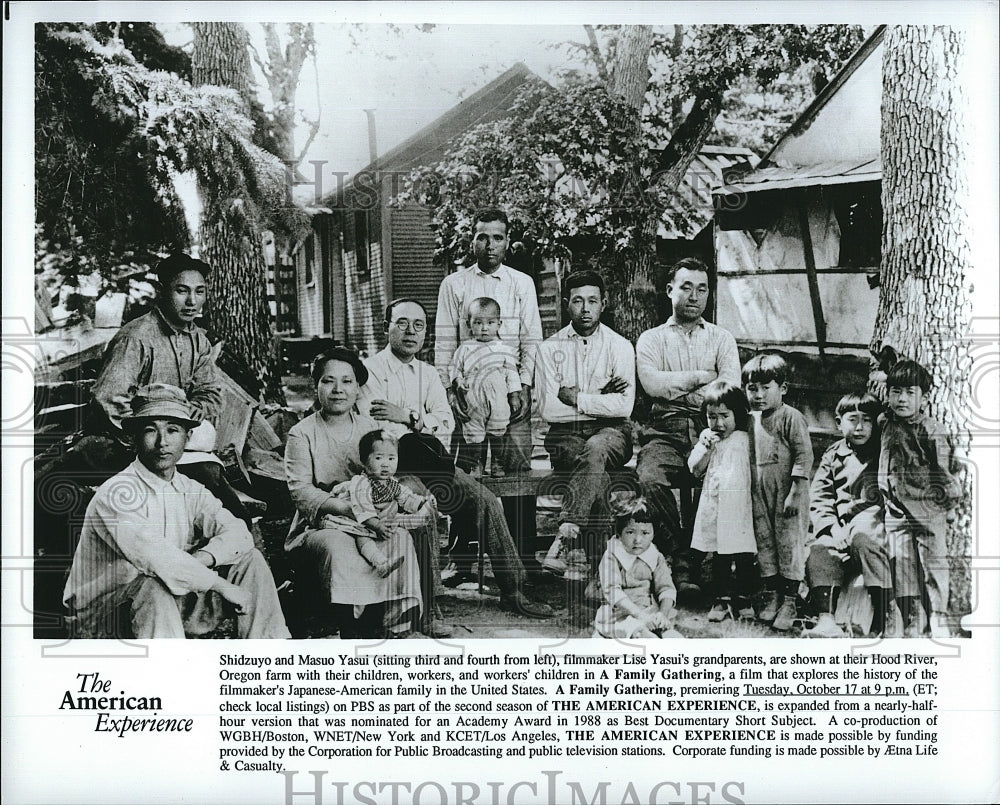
(414, 385)
(138, 523)
(520, 324)
(670, 348)
(569, 359)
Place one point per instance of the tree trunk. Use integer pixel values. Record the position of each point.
(282, 71)
(630, 73)
(924, 303)
(220, 56)
(231, 241)
(688, 139)
(631, 286)
(677, 103)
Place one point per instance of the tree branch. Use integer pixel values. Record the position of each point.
(257, 60)
(313, 124)
(595, 53)
(313, 131)
(688, 138)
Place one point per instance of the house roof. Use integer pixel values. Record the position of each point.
(488, 103)
(844, 148)
(690, 209)
(823, 173)
(688, 213)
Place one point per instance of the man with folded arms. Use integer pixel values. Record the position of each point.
(585, 379)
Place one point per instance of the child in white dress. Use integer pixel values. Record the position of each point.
(372, 494)
(724, 524)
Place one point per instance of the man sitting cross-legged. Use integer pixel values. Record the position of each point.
(162, 544)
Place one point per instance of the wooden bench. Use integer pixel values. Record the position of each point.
(546, 483)
(533, 483)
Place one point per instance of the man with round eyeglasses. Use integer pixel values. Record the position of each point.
(407, 398)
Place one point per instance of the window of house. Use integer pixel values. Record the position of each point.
(361, 242)
(309, 252)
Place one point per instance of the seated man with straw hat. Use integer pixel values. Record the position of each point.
(159, 551)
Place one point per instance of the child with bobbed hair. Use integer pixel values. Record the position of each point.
(783, 460)
(845, 506)
(917, 476)
(638, 590)
(375, 496)
(724, 523)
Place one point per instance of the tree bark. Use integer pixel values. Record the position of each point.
(631, 286)
(630, 73)
(221, 57)
(925, 298)
(231, 241)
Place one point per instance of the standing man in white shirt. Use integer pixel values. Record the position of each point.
(585, 379)
(521, 324)
(406, 397)
(675, 362)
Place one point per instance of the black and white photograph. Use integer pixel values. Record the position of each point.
(536, 334)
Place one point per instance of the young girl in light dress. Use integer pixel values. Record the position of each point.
(724, 525)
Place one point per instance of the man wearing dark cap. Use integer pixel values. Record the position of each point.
(161, 545)
(166, 346)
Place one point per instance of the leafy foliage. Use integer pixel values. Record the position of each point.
(97, 184)
(110, 135)
(754, 117)
(570, 163)
(555, 181)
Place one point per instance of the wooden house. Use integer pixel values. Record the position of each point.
(362, 252)
(797, 241)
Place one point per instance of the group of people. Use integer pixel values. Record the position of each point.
(372, 467)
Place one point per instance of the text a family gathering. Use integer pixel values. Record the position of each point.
(393, 444)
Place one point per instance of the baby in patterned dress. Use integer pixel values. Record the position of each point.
(371, 494)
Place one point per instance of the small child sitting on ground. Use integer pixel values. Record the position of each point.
(375, 495)
(847, 518)
(724, 524)
(486, 383)
(638, 590)
(915, 475)
(783, 459)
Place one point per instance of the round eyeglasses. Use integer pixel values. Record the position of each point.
(405, 324)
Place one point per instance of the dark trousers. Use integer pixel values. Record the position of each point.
(738, 584)
(367, 626)
(662, 467)
(588, 452)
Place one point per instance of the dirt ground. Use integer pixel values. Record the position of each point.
(474, 615)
